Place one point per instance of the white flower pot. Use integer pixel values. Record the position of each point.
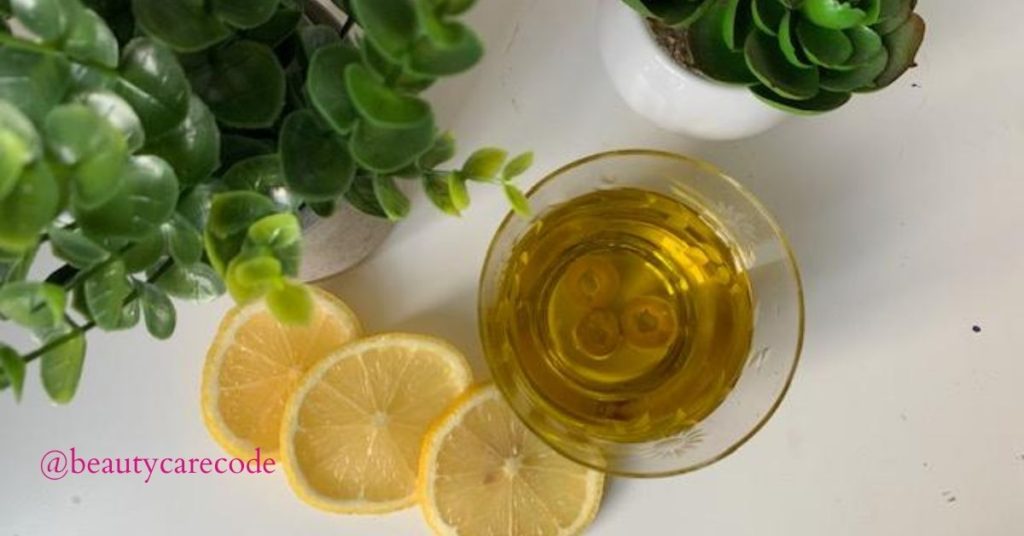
(671, 96)
(338, 243)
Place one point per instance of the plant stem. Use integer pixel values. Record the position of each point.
(83, 329)
(350, 22)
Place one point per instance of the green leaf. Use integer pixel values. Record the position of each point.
(195, 203)
(249, 279)
(902, 44)
(129, 315)
(153, 82)
(866, 46)
(313, 38)
(245, 13)
(183, 25)
(158, 311)
(824, 101)
(679, 13)
(33, 82)
(381, 105)
(75, 248)
(460, 50)
(711, 55)
(118, 16)
(399, 76)
(484, 164)
(390, 24)
(145, 200)
(282, 234)
(326, 85)
(61, 366)
(893, 14)
(291, 303)
(766, 60)
(235, 148)
(442, 151)
(118, 113)
(192, 148)
(243, 84)
(518, 201)
(92, 147)
(18, 125)
(826, 47)
(387, 150)
(13, 368)
(834, 14)
(48, 19)
(33, 305)
(768, 15)
(263, 174)
(791, 49)
(395, 204)
(737, 24)
(457, 192)
(91, 40)
(437, 191)
(362, 197)
(453, 7)
(184, 242)
(317, 163)
(197, 283)
(145, 252)
(105, 294)
(857, 78)
(233, 212)
(517, 166)
(28, 208)
(14, 156)
(280, 26)
(15, 270)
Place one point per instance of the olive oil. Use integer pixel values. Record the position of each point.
(624, 314)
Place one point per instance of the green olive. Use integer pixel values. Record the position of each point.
(598, 333)
(649, 322)
(592, 280)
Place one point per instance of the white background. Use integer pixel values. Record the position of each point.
(906, 209)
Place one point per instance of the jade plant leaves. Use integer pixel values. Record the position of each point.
(902, 44)
(158, 311)
(77, 249)
(244, 13)
(457, 49)
(378, 103)
(153, 82)
(90, 40)
(48, 19)
(363, 198)
(242, 83)
(91, 147)
(33, 82)
(395, 204)
(33, 305)
(197, 283)
(327, 88)
(711, 54)
(118, 113)
(184, 25)
(145, 199)
(316, 161)
(61, 366)
(390, 149)
(837, 14)
(105, 294)
(143, 253)
(13, 368)
(390, 24)
(823, 101)
(184, 242)
(824, 46)
(28, 208)
(772, 68)
(263, 174)
(291, 303)
(192, 148)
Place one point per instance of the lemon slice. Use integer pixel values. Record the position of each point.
(352, 431)
(255, 363)
(483, 473)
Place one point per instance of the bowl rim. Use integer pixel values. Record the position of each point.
(776, 229)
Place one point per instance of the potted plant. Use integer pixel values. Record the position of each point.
(726, 69)
(166, 148)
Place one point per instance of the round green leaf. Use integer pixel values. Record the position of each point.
(391, 24)
(61, 367)
(711, 55)
(105, 294)
(313, 38)
(326, 86)
(317, 163)
(399, 74)
(442, 151)
(768, 15)
(234, 148)
(362, 197)
(291, 303)
(517, 166)
(437, 191)
(158, 311)
(825, 47)
(198, 283)
(791, 49)
(456, 7)
(737, 23)
(153, 82)
(834, 14)
(280, 26)
(14, 156)
(94, 150)
(769, 64)
(251, 279)
(245, 13)
(233, 212)
(484, 164)
(13, 368)
(262, 174)
(33, 305)
(282, 235)
(183, 25)
(902, 44)
(193, 147)
(48, 19)
(866, 45)
(518, 201)
(381, 105)
(91, 40)
(28, 208)
(243, 84)
(33, 82)
(457, 191)
(184, 242)
(118, 113)
(824, 101)
(395, 204)
(17, 124)
(892, 15)
(860, 77)
(460, 50)
(387, 150)
(77, 249)
(145, 200)
(144, 253)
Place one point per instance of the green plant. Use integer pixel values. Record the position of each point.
(804, 56)
(162, 147)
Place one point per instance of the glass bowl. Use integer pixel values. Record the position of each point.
(761, 252)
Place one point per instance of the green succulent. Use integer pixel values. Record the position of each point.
(804, 56)
(161, 149)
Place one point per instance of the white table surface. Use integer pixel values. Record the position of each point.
(905, 208)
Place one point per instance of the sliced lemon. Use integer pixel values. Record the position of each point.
(352, 431)
(255, 363)
(483, 473)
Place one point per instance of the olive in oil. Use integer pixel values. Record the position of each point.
(624, 314)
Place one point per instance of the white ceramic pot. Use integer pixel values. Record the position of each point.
(338, 243)
(671, 96)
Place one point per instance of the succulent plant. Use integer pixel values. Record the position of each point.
(804, 56)
(160, 149)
